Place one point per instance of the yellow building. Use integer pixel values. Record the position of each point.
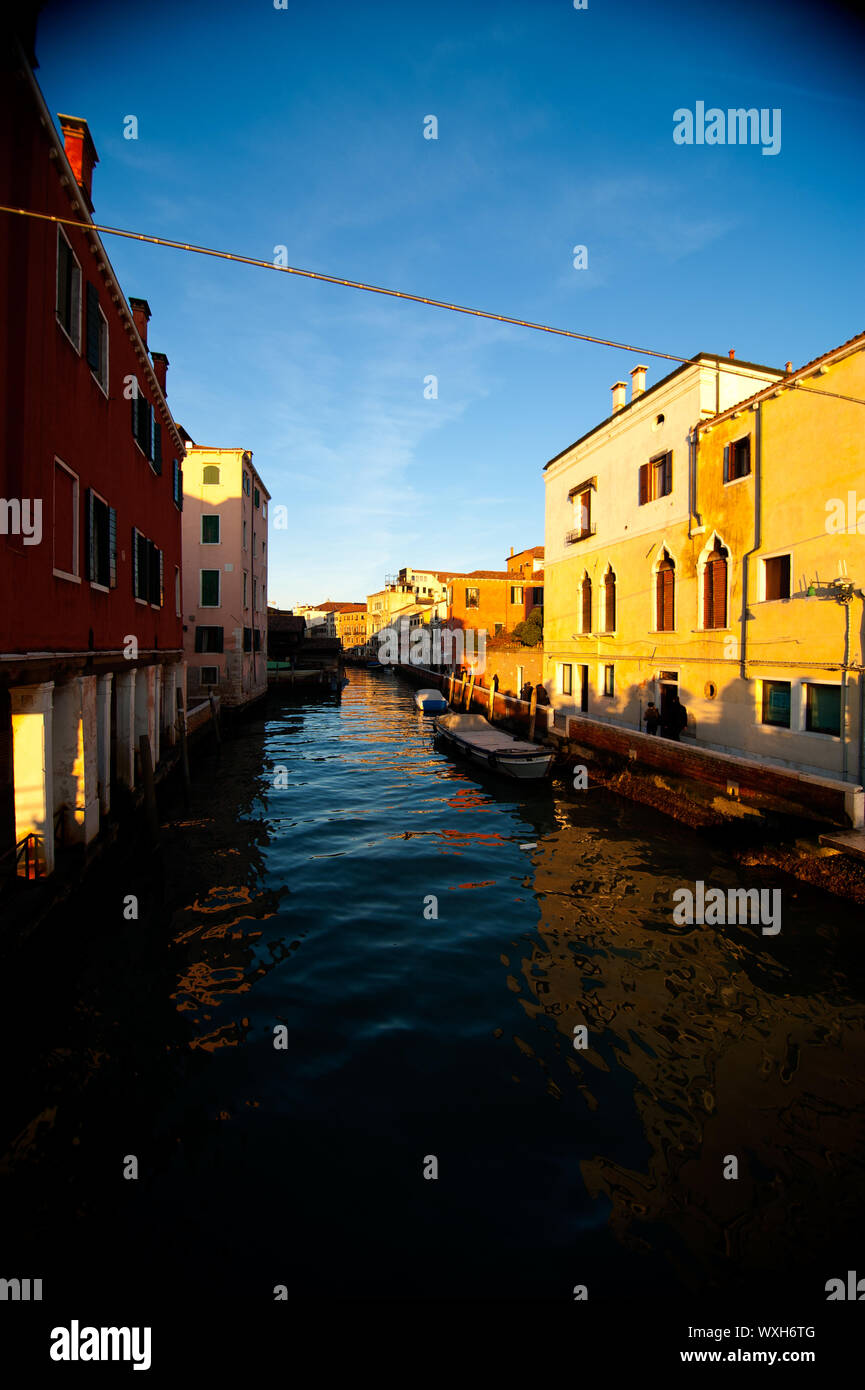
(349, 624)
(690, 555)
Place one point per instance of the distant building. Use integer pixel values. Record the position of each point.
(348, 625)
(224, 575)
(91, 646)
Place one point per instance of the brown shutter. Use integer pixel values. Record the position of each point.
(610, 602)
(644, 483)
(587, 605)
(665, 604)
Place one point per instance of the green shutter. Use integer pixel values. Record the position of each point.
(112, 548)
(93, 327)
(89, 565)
(156, 430)
(726, 463)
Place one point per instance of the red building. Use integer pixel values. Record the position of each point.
(91, 642)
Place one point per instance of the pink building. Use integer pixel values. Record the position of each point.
(224, 575)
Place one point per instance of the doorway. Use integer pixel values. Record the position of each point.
(669, 683)
(584, 688)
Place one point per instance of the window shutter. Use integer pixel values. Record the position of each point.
(134, 563)
(89, 556)
(156, 430)
(668, 600)
(134, 404)
(610, 603)
(726, 463)
(667, 474)
(644, 484)
(161, 576)
(665, 606)
(112, 548)
(92, 327)
(587, 605)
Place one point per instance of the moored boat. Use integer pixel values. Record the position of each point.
(374, 666)
(476, 738)
(430, 701)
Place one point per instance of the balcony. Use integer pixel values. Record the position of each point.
(571, 537)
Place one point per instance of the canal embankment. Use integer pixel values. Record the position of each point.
(771, 815)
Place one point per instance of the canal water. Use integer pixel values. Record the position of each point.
(354, 956)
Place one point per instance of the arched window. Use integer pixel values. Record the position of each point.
(210, 473)
(609, 600)
(665, 606)
(715, 587)
(586, 601)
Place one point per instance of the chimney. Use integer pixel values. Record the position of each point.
(638, 381)
(619, 388)
(512, 550)
(160, 367)
(80, 151)
(140, 314)
(788, 367)
(732, 352)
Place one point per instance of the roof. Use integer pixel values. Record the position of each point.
(339, 607)
(699, 359)
(792, 378)
(537, 551)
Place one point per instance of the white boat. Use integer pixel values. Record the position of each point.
(476, 737)
(430, 702)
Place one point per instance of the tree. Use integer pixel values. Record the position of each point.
(531, 632)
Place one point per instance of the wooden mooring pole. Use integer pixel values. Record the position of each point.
(149, 786)
(533, 712)
(184, 751)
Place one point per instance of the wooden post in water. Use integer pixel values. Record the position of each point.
(184, 751)
(493, 687)
(470, 692)
(214, 719)
(533, 712)
(149, 787)
(451, 689)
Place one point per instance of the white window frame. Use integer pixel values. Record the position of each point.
(761, 576)
(102, 588)
(103, 385)
(76, 523)
(75, 344)
(211, 516)
(566, 666)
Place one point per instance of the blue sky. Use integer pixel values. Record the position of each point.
(303, 127)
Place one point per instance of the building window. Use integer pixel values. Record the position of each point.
(737, 459)
(776, 577)
(586, 604)
(243, 535)
(256, 639)
(246, 588)
(209, 675)
(656, 478)
(776, 703)
(609, 600)
(247, 639)
(255, 594)
(498, 627)
(264, 516)
(210, 475)
(609, 680)
(583, 527)
(516, 593)
(209, 589)
(473, 597)
(715, 587)
(665, 608)
(246, 483)
(567, 678)
(65, 524)
(823, 709)
(177, 484)
(97, 338)
(210, 530)
(256, 498)
(68, 291)
(209, 639)
(147, 562)
(538, 598)
(177, 590)
(100, 541)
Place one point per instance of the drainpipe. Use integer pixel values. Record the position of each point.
(758, 535)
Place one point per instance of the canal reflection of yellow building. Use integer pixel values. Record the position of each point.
(727, 1057)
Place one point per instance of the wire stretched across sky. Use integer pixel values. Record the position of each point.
(720, 363)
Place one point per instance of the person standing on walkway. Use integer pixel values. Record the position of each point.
(652, 717)
(677, 719)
